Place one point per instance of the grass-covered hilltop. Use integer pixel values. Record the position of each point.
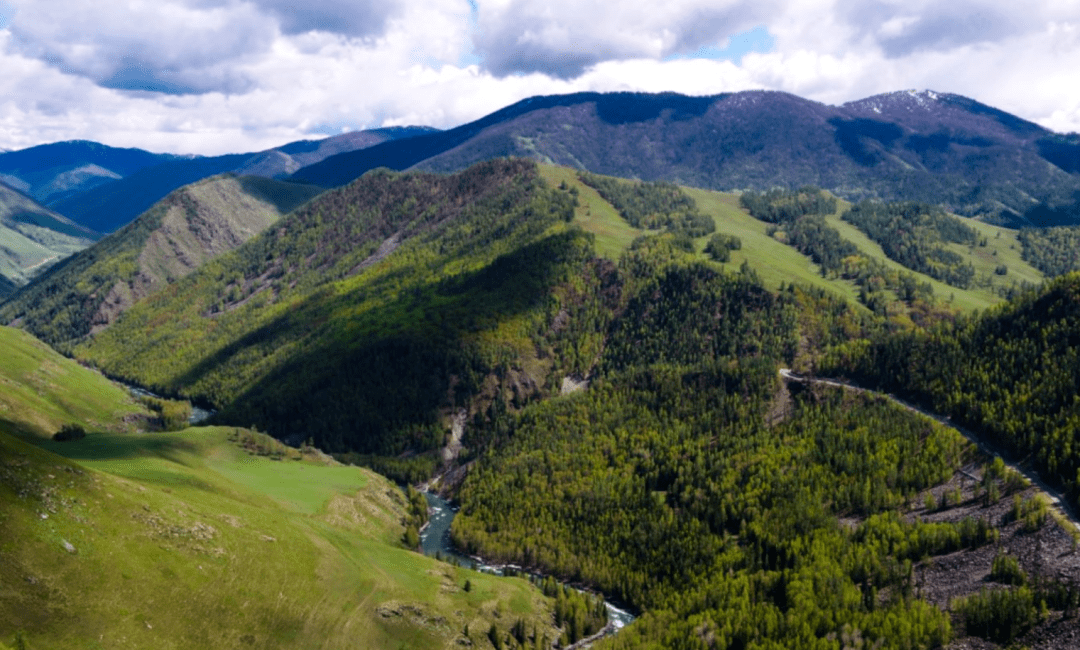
(679, 398)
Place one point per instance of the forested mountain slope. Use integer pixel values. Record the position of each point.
(1012, 374)
(32, 237)
(931, 147)
(190, 226)
(7, 287)
(364, 316)
(688, 483)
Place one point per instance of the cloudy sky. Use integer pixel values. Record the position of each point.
(215, 76)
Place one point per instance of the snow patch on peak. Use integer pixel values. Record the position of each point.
(898, 100)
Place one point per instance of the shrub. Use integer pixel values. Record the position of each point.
(69, 432)
(999, 615)
(1006, 570)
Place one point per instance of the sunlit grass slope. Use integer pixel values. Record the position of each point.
(40, 390)
(777, 263)
(185, 540)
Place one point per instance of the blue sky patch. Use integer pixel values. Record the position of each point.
(757, 39)
(6, 12)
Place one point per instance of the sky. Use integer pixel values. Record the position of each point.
(217, 76)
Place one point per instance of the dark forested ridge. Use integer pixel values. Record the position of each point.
(52, 172)
(916, 146)
(7, 287)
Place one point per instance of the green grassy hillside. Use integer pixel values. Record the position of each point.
(181, 232)
(42, 391)
(185, 541)
(778, 263)
(188, 540)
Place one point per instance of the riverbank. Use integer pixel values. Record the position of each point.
(435, 540)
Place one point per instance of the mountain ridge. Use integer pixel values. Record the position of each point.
(181, 232)
(972, 158)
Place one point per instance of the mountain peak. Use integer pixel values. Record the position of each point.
(899, 100)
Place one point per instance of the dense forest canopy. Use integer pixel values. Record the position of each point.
(665, 485)
(1054, 251)
(1012, 374)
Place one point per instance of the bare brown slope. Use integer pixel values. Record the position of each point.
(185, 229)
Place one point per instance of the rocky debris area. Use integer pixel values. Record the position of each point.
(41, 486)
(1048, 553)
(193, 537)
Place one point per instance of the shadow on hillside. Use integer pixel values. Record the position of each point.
(376, 382)
(113, 446)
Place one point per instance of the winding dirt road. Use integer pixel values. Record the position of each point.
(1057, 501)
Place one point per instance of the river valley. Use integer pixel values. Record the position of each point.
(435, 539)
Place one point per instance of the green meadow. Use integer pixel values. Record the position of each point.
(777, 263)
(188, 540)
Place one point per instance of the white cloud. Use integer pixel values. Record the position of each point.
(250, 74)
(563, 38)
(161, 45)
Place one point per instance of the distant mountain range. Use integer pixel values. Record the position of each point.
(939, 148)
(32, 238)
(182, 231)
(99, 189)
(934, 147)
(104, 187)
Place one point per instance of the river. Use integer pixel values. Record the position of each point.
(198, 415)
(435, 539)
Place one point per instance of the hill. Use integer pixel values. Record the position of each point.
(52, 172)
(740, 511)
(431, 283)
(187, 228)
(208, 536)
(932, 147)
(32, 237)
(590, 365)
(110, 205)
(777, 259)
(334, 287)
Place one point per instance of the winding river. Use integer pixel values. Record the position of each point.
(435, 539)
